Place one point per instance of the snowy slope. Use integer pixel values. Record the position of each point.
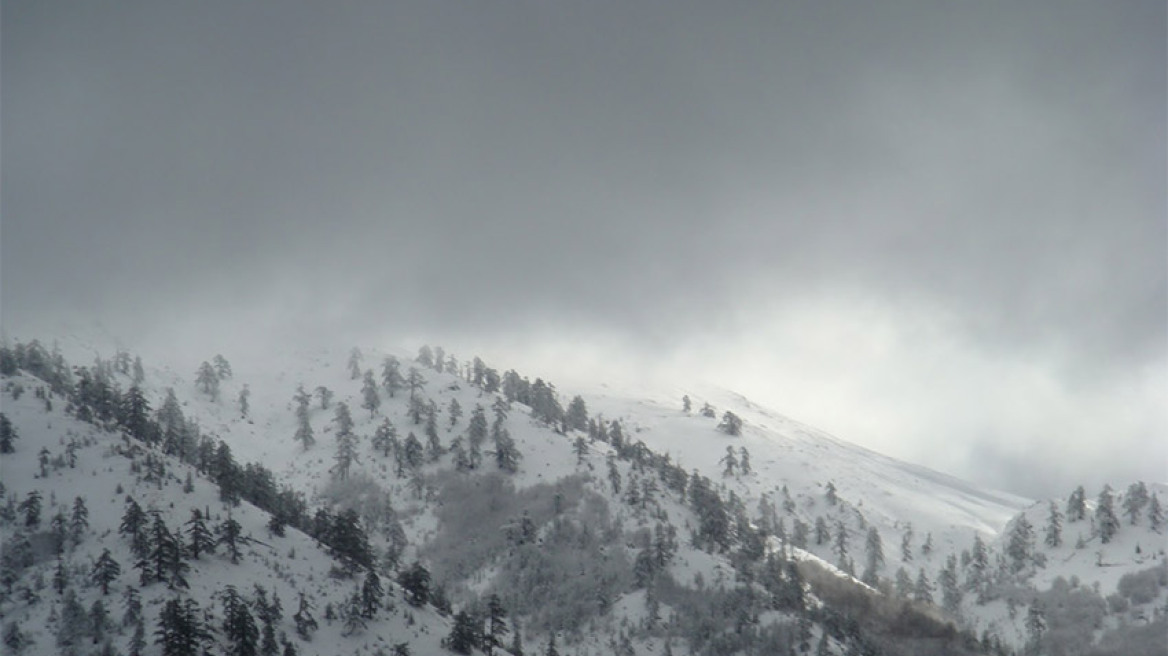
(792, 466)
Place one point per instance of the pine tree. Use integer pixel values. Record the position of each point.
(1155, 514)
(415, 584)
(31, 508)
(79, 520)
(455, 412)
(181, 631)
(507, 456)
(166, 554)
(138, 375)
(385, 438)
(1077, 505)
(551, 647)
(239, 627)
(414, 381)
(830, 494)
(305, 622)
(231, 537)
(1105, 520)
(132, 606)
(371, 401)
(477, 429)
(133, 527)
(105, 571)
(353, 616)
(355, 363)
(434, 448)
(325, 396)
(730, 461)
(1054, 527)
(950, 592)
(200, 540)
(906, 544)
(59, 530)
(496, 624)
(580, 448)
(304, 433)
(822, 533)
(73, 627)
(463, 635)
(923, 591)
(346, 453)
(799, 531)
(425, 357)
(577, 415)
(744, 461)
(1020, 544)
(391, 376)
(137, 643)
(371, 594)
(414, 454)
(208, 380)
(979, 563)
(60, 575)
(841, 544)
(222, 367)
(7, 434)
(874, 551)
(348, 542)
(731, 424)
(516, 648)
(904, 583)
(1135, 500)
(1035, 628)
(244, 406)
(614, 476)
(134, 413)
(269, 614)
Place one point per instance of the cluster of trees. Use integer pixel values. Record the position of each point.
(1137, 504)
(210, 374)
(50, 367)
(486, 630)
(94, 396)
(185, 629)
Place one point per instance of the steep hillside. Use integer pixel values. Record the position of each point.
(500, 512)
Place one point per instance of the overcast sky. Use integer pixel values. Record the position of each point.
(935, 229)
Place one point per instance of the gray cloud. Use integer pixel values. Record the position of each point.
(663, 173)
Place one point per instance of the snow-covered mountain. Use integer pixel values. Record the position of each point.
(610, 522)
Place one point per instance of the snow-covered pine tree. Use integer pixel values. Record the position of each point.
(1105, 520)
(1077, 505)
(1135, 500)
(1020, 543)
(105, 571)
(370, 399)
(208, 381)
(731, 424)
(385, 438)
(354, 363)
(874, 556)
(391, 377)
(1054, 526)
